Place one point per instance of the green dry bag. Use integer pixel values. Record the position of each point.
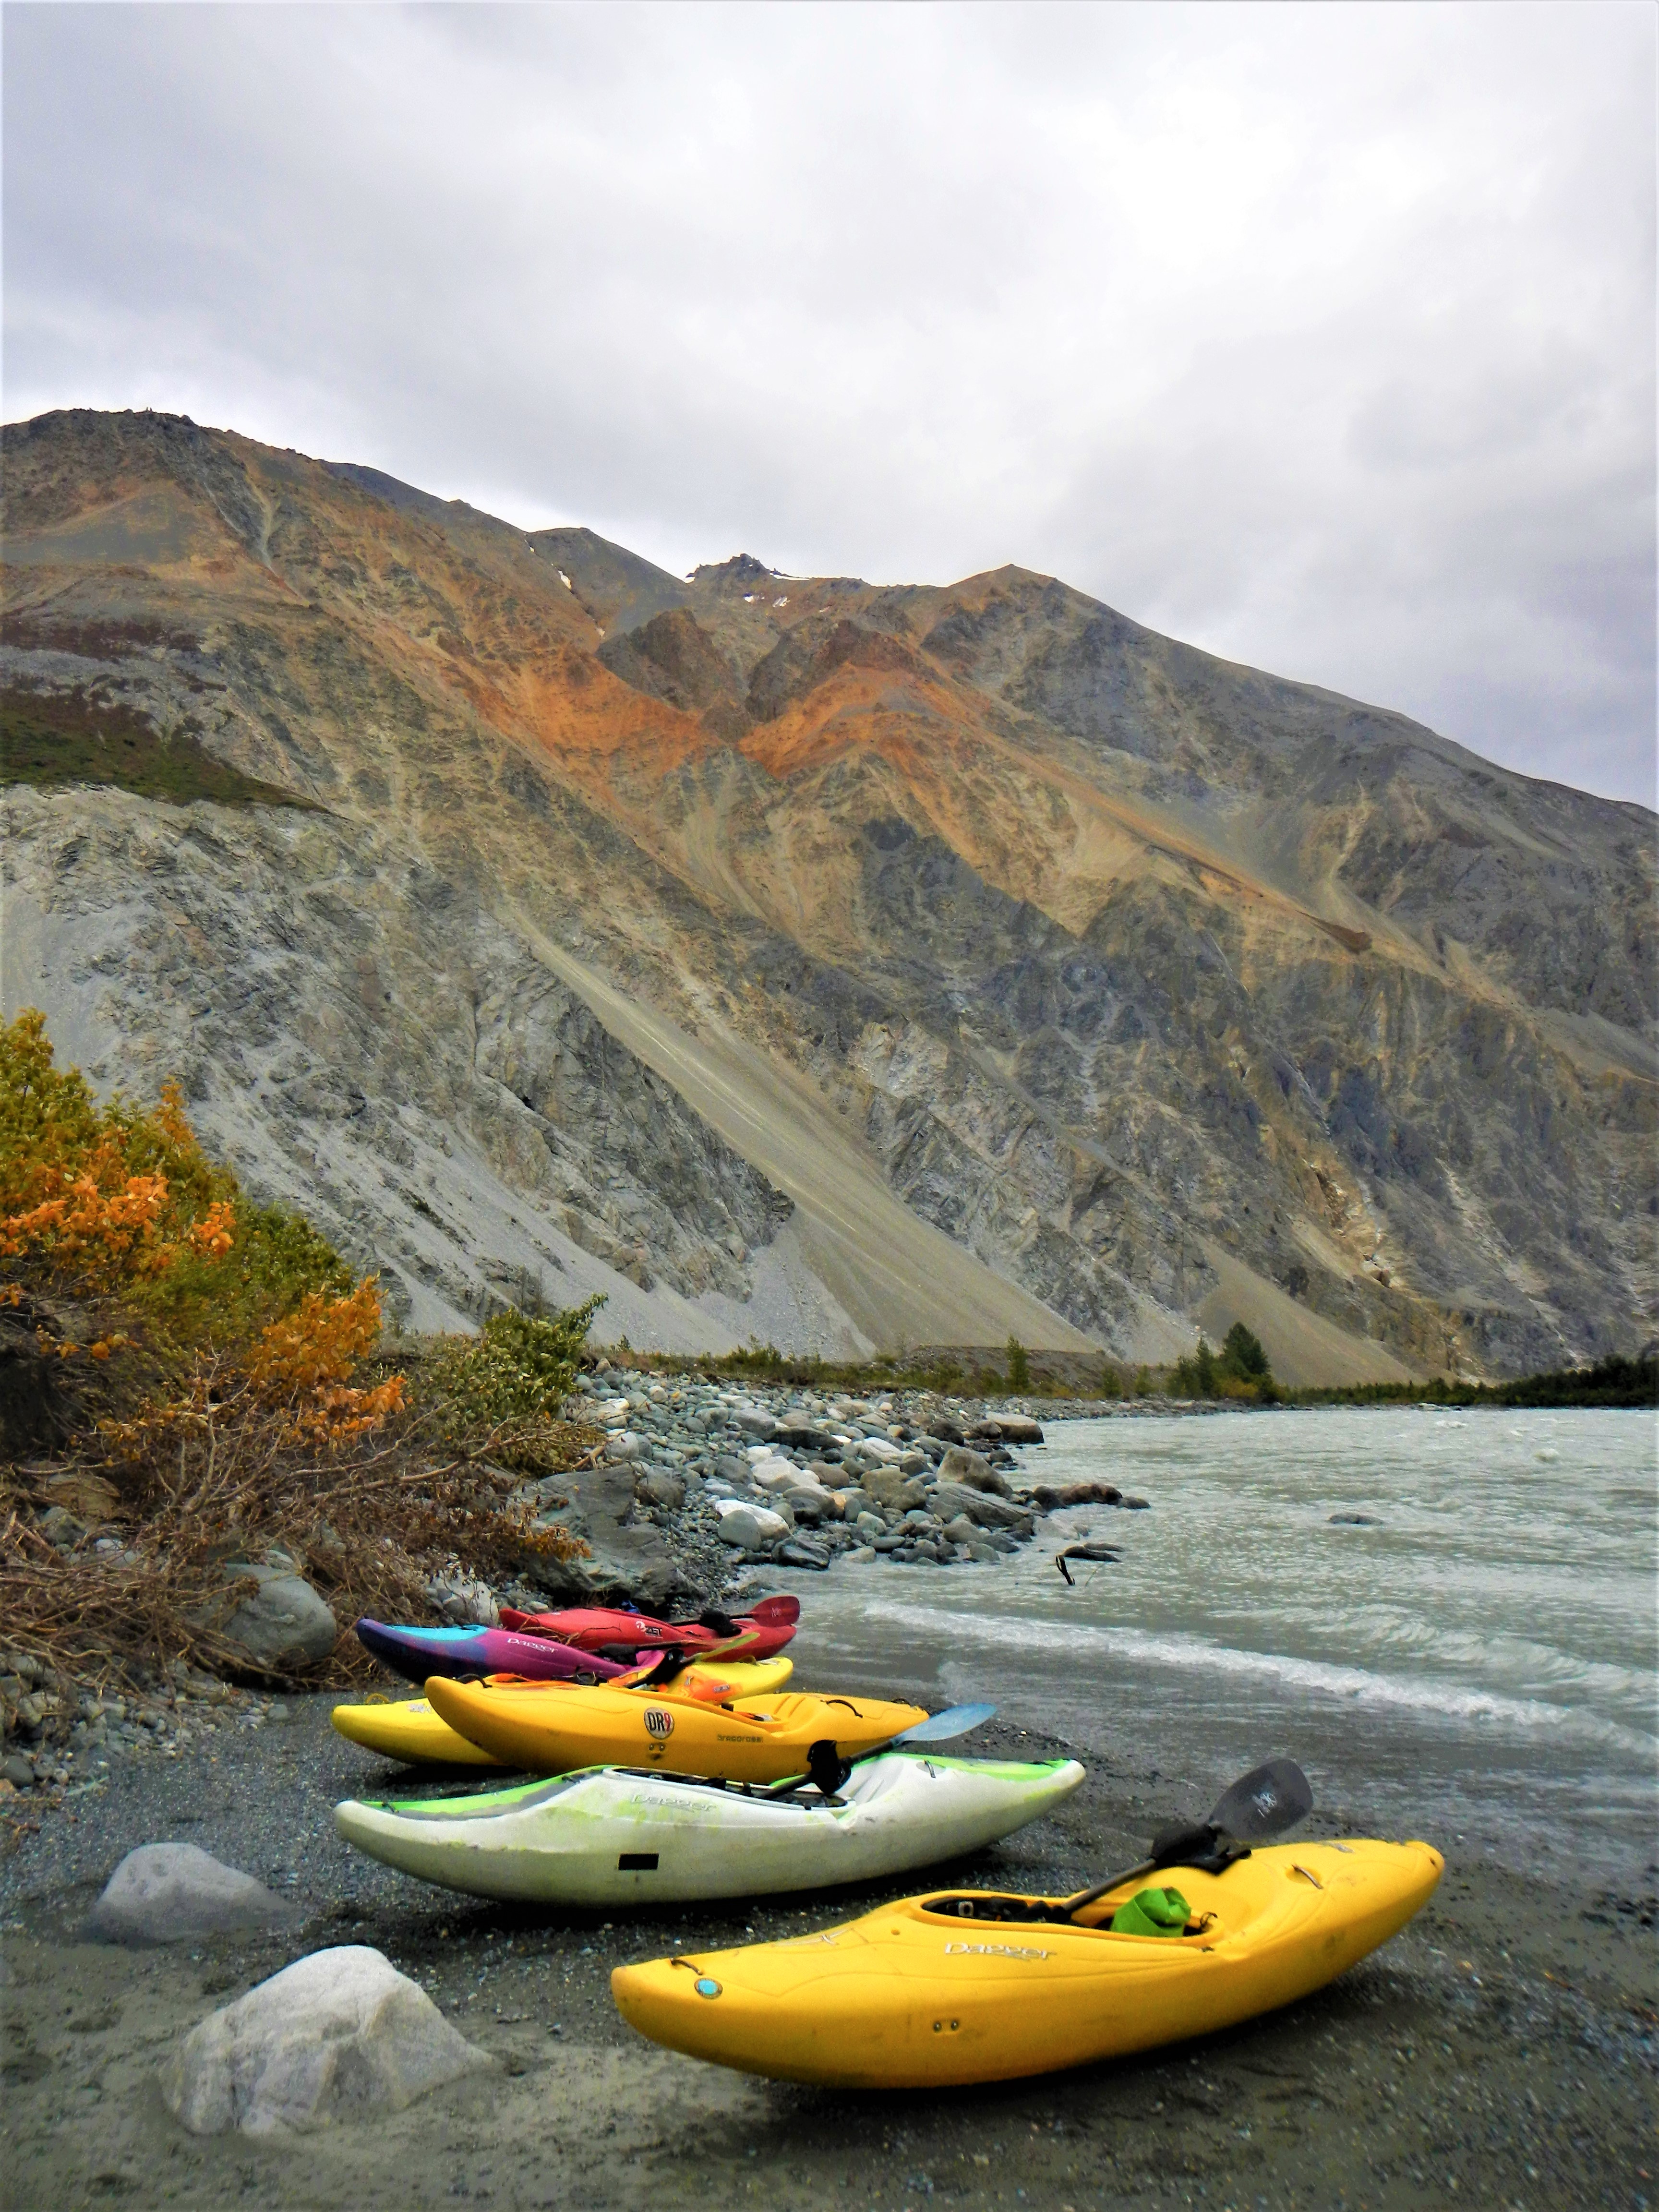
(1152, 1913)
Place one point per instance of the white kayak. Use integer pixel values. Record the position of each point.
(613, 1835)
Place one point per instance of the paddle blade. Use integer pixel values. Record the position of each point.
(775, 1612)
(1264, 1802)
(955, 1720)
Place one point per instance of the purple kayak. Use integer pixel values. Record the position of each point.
(415, 1653)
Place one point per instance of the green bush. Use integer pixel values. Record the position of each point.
(50, 741)
(1240, 1370)
(1019, 1367)
(516, 1369)
(278, 1260)
(119, 1201)
(1241, 1354)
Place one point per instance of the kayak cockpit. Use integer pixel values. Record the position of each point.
(987, 1907)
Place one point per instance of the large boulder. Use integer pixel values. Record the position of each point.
(627, 1564)
(960, 1464)
(339, 2036)
(1090, 1493)
(896, 1493)
(774, 1472)
(803, 1551)
(808, 1501)
(749, 1527)
(660, 1487)
(176, 1893)
(983, 1508)
(1049, 1497)
(1020, 1429)
(281, 1625)
(1010, 1429)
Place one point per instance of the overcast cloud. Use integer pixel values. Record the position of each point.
(1322, 337)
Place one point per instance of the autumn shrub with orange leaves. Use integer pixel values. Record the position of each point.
(260, 1413)
(113, 1201)
(294, 1381)
(101, 1197)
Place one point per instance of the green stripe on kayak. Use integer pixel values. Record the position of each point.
(476, 1803)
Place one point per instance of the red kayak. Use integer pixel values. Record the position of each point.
(620, 1634)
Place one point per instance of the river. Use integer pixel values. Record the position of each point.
(1477, 1659)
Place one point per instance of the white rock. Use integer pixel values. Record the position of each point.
(749, 1526)
(339, 2036)
(175, 1893)
(775, 1474)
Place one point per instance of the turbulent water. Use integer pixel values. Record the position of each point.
(1476, 1658)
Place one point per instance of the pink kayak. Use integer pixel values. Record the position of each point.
(416, 1653)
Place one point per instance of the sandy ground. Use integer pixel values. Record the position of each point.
(1499, 2052)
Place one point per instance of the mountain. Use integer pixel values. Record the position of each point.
(835, 964)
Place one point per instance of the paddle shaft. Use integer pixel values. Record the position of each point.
(1075, 1905)
(1263, 1802)
(827, 1770)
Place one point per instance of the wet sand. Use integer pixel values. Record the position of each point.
(1501, 2051)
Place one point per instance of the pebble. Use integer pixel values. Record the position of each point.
(69, 1744)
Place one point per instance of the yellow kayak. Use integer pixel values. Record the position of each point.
(555, 1727)
(409, 1729)
(969, 1986)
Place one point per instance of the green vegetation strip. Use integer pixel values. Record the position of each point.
(1231, 1376)
(1612, 1382)
(52, 742)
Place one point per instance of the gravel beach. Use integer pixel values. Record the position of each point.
(1499, 2052)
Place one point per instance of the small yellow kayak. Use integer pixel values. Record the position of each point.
(409, 1729)
(968, 1986)
(555, 1727)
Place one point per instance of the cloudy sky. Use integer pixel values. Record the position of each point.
(1321, 336)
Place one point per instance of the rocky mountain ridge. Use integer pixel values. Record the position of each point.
(805, 958)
